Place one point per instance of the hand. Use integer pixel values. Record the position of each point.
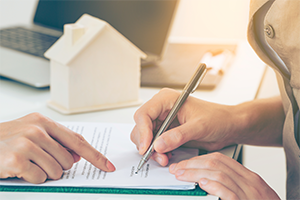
(222, 176)
(35, 148)
(198, 124)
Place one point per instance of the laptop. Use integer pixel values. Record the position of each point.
(146, 23)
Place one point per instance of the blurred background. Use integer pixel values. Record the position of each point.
(204, 19)
(195, 18)
(212, 19)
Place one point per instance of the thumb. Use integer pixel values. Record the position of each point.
(173, 138)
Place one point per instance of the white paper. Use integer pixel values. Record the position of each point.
(113, 140)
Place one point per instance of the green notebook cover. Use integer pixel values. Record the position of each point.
(195, 192)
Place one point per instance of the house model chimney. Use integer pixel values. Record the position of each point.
(73, 32)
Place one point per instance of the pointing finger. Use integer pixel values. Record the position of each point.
(79, 145)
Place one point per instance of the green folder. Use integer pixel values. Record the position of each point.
(64, 189)
(194, 192)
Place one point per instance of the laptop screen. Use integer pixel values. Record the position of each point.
(146, 23)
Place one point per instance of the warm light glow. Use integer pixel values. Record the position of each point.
(222, 19)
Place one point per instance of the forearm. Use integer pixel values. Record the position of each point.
(261, 122)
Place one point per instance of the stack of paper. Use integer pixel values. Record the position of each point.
(113, 140)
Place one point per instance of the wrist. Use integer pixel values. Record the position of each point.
(259, 122)
(241, 117)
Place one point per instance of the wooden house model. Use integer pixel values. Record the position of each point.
(93, 67)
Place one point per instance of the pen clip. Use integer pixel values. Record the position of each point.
(200, 79)
(197, 84)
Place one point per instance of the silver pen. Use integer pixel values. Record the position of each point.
(190, 87)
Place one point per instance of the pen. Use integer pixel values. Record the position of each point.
(188, 89)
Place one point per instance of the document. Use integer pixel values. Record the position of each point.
(113, 141)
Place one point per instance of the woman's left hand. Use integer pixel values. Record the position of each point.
(224, 177)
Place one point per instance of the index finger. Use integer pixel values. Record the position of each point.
(145, 117)
(78, 144)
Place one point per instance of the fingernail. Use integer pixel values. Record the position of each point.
(110, 166)
(203, 181)
(158, 159)
(172, 167)
(160, 143)
(179, 172)
(77, 159)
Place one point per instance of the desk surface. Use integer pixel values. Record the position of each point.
(238, 85)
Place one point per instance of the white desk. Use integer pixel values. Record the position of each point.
(239, 84)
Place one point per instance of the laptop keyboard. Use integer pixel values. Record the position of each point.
(27, 41)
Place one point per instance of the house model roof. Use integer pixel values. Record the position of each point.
(78, 36)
